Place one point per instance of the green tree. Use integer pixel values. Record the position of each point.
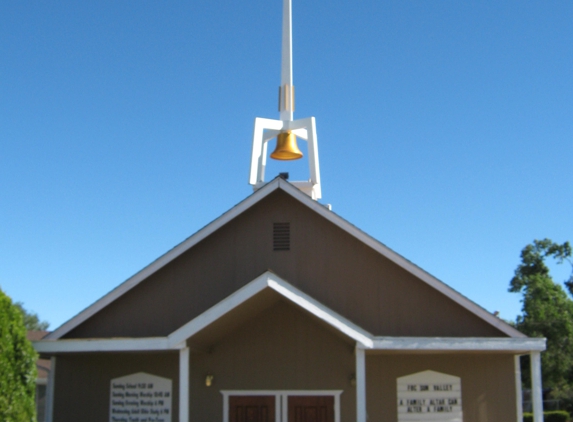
(547, 312)
(31, 319)
(17, 365)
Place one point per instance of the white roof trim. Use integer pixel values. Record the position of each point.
(403, 262)
(103, 345)
(268, 280)
(163, 260)
(177, 339)
(272, 281)
(428, 344)
(460, 344)
(267, 189)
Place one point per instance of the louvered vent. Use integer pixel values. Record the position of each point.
(281, 236)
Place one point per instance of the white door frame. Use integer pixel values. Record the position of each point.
(281, 400)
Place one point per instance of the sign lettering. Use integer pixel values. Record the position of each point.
(425, 395)
(140, 397)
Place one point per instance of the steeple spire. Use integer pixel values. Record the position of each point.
(286, 90)
(286, 128)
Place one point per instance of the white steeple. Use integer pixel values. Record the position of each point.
(286, 90)
(267, 129)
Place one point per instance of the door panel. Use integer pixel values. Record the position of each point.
(252, 409)
(310, 409)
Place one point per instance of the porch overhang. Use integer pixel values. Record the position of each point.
(458, 344)
(259, 293)
(379, 344)
(245, 302)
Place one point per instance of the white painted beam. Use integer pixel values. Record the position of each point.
(360, 384)
(518, 392)
(536, 387)
(301, 133)
(274, 282)
(320, 311)
(286, 102)
(102, 345)
(494, 344)
(286, 62)
(184, 384)
(217, 311)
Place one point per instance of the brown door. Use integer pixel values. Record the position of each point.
(311, 409)
(251, 408)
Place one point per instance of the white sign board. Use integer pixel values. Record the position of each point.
(429, 396)
(140, 397)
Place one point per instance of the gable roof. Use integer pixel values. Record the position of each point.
(176, 339)
(269, 282)
(256, 197)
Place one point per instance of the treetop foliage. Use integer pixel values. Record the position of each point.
(17, 365)
(547, 311)
(31, 319)
(533, 263)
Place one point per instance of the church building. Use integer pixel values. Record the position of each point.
(280, 310)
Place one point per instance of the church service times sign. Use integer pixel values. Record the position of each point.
(429, 396)
(140, 397)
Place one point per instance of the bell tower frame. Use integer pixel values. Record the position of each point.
(267, 129)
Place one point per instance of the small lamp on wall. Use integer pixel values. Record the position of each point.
(353, 380)
(209, 380)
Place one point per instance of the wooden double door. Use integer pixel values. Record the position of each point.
(298, 409)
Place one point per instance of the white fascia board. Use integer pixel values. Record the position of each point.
(272, 281)
(320, 311)
(104, 345)
(217, 311)
(165, 259)
(402, 262)
(492, 344)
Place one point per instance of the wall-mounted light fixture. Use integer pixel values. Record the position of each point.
(352, 380)
(209, 380)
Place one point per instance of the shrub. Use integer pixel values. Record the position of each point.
(17, 366)
(556, 416)
(552, 416)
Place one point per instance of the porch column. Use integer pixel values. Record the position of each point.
(361, 384)
(536, 391)
(518, 392)
(184, 384)
(50, 390)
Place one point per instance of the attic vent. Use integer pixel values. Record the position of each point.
(281, 236)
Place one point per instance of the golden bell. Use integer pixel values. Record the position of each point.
(286, 149)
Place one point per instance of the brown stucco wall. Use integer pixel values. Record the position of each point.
(488, 384)
(324, 261)
(82, 384)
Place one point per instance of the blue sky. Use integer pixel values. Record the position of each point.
(445, 130)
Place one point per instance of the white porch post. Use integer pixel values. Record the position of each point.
(536, 388)
(50, 390)
(361, 384)
(184, 384)
(518, 392)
